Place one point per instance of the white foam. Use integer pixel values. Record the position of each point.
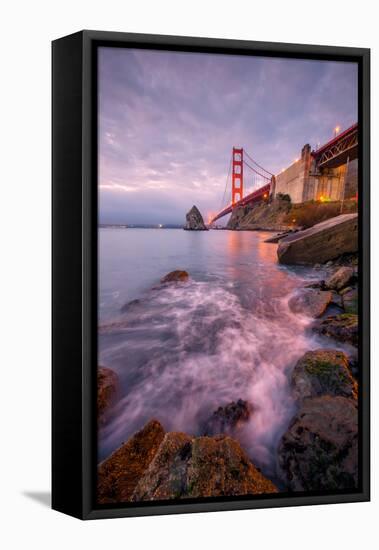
(203, 349)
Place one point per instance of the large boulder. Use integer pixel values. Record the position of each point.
(310, 302)
(350, 299)
(322, 242)
(107, 386)
(276, 238)
(119, 474)
(176, 276)
(323, 372)
(194, 220)
(227, 419)
(319, 451)
(187, 467)
(343, 327)
(341, 278)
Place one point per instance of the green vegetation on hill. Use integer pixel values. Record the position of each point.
(280, 214)
(309, 213)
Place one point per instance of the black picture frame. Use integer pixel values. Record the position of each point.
(74, 269)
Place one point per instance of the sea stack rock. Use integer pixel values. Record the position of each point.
(194, 220)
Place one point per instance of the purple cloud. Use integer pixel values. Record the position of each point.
(168, 122)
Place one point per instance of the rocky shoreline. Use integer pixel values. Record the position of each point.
(155, 465)
(317, 452)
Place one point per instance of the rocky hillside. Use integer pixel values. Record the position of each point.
(264, 215)
(280, 214)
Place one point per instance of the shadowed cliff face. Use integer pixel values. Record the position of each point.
(266, 216)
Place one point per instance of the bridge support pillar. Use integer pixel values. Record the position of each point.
(273, 187)
(237, 174)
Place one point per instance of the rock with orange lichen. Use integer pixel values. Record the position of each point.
(107, 384)
(176, 276)
(323, 372)
(119, 474)
(310, 302)
(342, 327)
(188, 467)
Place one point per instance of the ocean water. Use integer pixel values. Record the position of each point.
(183, 350)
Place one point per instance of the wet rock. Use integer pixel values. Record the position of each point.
(107, 385)
(119, 474)
(343, 327)
(194, 220)
(350, 300)
(187, 467)
(175, 276)
(349, 259)
(337, 300)
(323, 372)
(227, 419)
(341, 278)
(319, 451)
(310, 302)
(322, 242)
(354, 364)
(317, 284)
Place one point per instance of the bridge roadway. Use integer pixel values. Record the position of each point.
(258, 195)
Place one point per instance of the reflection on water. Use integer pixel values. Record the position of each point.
(184, 350)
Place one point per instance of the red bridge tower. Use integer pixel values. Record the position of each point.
(237, 174)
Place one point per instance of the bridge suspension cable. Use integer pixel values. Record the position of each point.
(226, 183)
(256, 171)
(255, 162)
(263, 183)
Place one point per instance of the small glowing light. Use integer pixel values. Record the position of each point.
(296, 160)
(282, 169)
(294, 220)
(160, 226)
(265, 196)
(322, 198)
(337, 129)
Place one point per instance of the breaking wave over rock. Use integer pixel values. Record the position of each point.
(183, 350)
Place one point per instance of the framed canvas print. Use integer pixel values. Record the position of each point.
(210, 274)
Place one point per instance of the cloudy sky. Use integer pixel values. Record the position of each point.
(168, 122)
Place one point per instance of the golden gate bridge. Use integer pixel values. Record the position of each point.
(340, 150)
(263, 183)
